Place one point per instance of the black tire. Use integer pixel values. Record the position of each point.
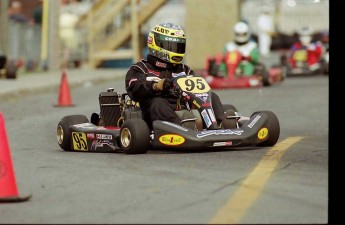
(284, 69)
(229, 123)
(273, 127)
(11, 70)
(229, 106)
(63, 130)
(265, 78)
(324, 67)
(135, 136)
(3, 60)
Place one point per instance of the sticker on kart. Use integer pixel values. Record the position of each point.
(193, 84)
(171, 139)
(300, 55)
(262, 134)
(79, 141)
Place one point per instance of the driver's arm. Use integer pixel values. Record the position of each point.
(137, 87)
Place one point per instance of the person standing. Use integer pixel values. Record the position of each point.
(37, 13)
(266, 30)
(15, 13)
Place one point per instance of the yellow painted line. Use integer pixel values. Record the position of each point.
(234, 209)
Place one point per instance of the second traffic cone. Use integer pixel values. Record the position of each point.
(8, 186)
(64, 92)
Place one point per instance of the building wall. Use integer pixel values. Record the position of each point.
(208, 26)
(290, 15)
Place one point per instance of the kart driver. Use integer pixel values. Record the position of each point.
(247, 47)
(313, 50)
(148, 81)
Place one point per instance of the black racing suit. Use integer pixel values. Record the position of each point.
(159, 105)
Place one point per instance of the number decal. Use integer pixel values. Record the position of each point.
(233, 57)
(193, 84)
(79, 141)
(300, 55)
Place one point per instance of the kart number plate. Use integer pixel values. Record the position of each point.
(300, 55)
(79, 141)
(193, 84)
(233, 57)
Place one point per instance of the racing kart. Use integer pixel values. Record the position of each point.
(119, 126)
(301, 66)
(8, 68)
(234, 77)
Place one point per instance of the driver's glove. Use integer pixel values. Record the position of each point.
(162, 85)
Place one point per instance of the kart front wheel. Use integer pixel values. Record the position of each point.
(63, 132)
(134, 136)
(266, 78)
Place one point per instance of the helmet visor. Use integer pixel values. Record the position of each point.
(172, 44)
(242, 34)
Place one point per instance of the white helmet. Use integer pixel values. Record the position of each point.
(241, 32)
(305, 35)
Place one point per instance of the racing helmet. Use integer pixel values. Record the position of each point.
(305, 35)
(241, 32)
(167, 41)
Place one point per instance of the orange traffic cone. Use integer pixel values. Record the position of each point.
(64, 93)
(8, 186)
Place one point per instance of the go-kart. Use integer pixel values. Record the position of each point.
(300, 66)
(119, 127)
(233, 77)
(8, 68)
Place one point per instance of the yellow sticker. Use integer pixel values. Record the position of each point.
(193, 84)
(262, 134)
(171, 139)
(79, 141)
(300, 55)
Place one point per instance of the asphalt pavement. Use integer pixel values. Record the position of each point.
(34, 82)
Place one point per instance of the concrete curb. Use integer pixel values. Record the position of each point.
(50, 81)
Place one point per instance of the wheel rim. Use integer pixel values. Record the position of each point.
(125, 137)
(60, 135)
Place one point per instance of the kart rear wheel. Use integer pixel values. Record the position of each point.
(273, 128)
(63, 132)
(134, 136)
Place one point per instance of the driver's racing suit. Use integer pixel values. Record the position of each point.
(159, 105)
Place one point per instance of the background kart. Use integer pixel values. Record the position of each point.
(234, 77)
(119, 126)
(301, 67)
